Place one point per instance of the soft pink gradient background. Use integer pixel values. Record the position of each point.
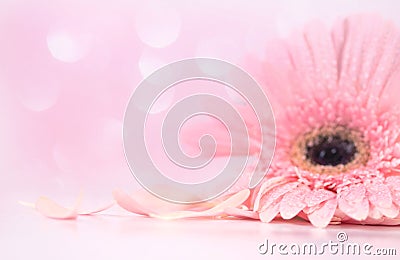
(67, 70)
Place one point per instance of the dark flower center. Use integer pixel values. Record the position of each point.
(331, 150)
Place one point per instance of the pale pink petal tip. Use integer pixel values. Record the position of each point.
(269, 213)
(293, 202)
(354, 203)
(232, 201)
(241, 213)
(323, 216)
(130, 204)
(51, 209)
(97, 210)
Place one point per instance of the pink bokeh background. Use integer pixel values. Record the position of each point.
(68, 68)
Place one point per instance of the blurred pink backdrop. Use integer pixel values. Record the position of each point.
(68, 68)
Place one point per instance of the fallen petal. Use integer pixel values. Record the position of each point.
(232, 202)
(98, 210)
(240, 213)
(51, 209)
(128, 203)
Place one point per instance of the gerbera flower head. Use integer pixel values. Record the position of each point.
(338, 127)
(335, 95)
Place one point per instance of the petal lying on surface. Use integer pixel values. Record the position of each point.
(323, 216)
(143, 203)
(241, 213)
(51, 209)
(98, 210)
(293, 202)
(128, 203)
(232, 202)
(27, 204)
(353, 202)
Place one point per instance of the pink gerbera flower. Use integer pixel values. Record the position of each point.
(337, 157)
(334, 95)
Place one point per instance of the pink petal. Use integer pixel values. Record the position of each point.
(269, 213)
(309, 210)
(233, 201)
(323, 55)
(241, 213)
(370, 43)
(393, 182)
(98, 210)
(374, 213)
(391, 212)
(314, 57)
(391, 222)
(128, 203)
(316, 197)
(293, 202)
(267, 186)
(353, 202)
(275, 194)
(143, 203)
(51, 209)
(322, 216)
(370, 221)
(379, 195)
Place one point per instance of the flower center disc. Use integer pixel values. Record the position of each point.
(330, 150)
